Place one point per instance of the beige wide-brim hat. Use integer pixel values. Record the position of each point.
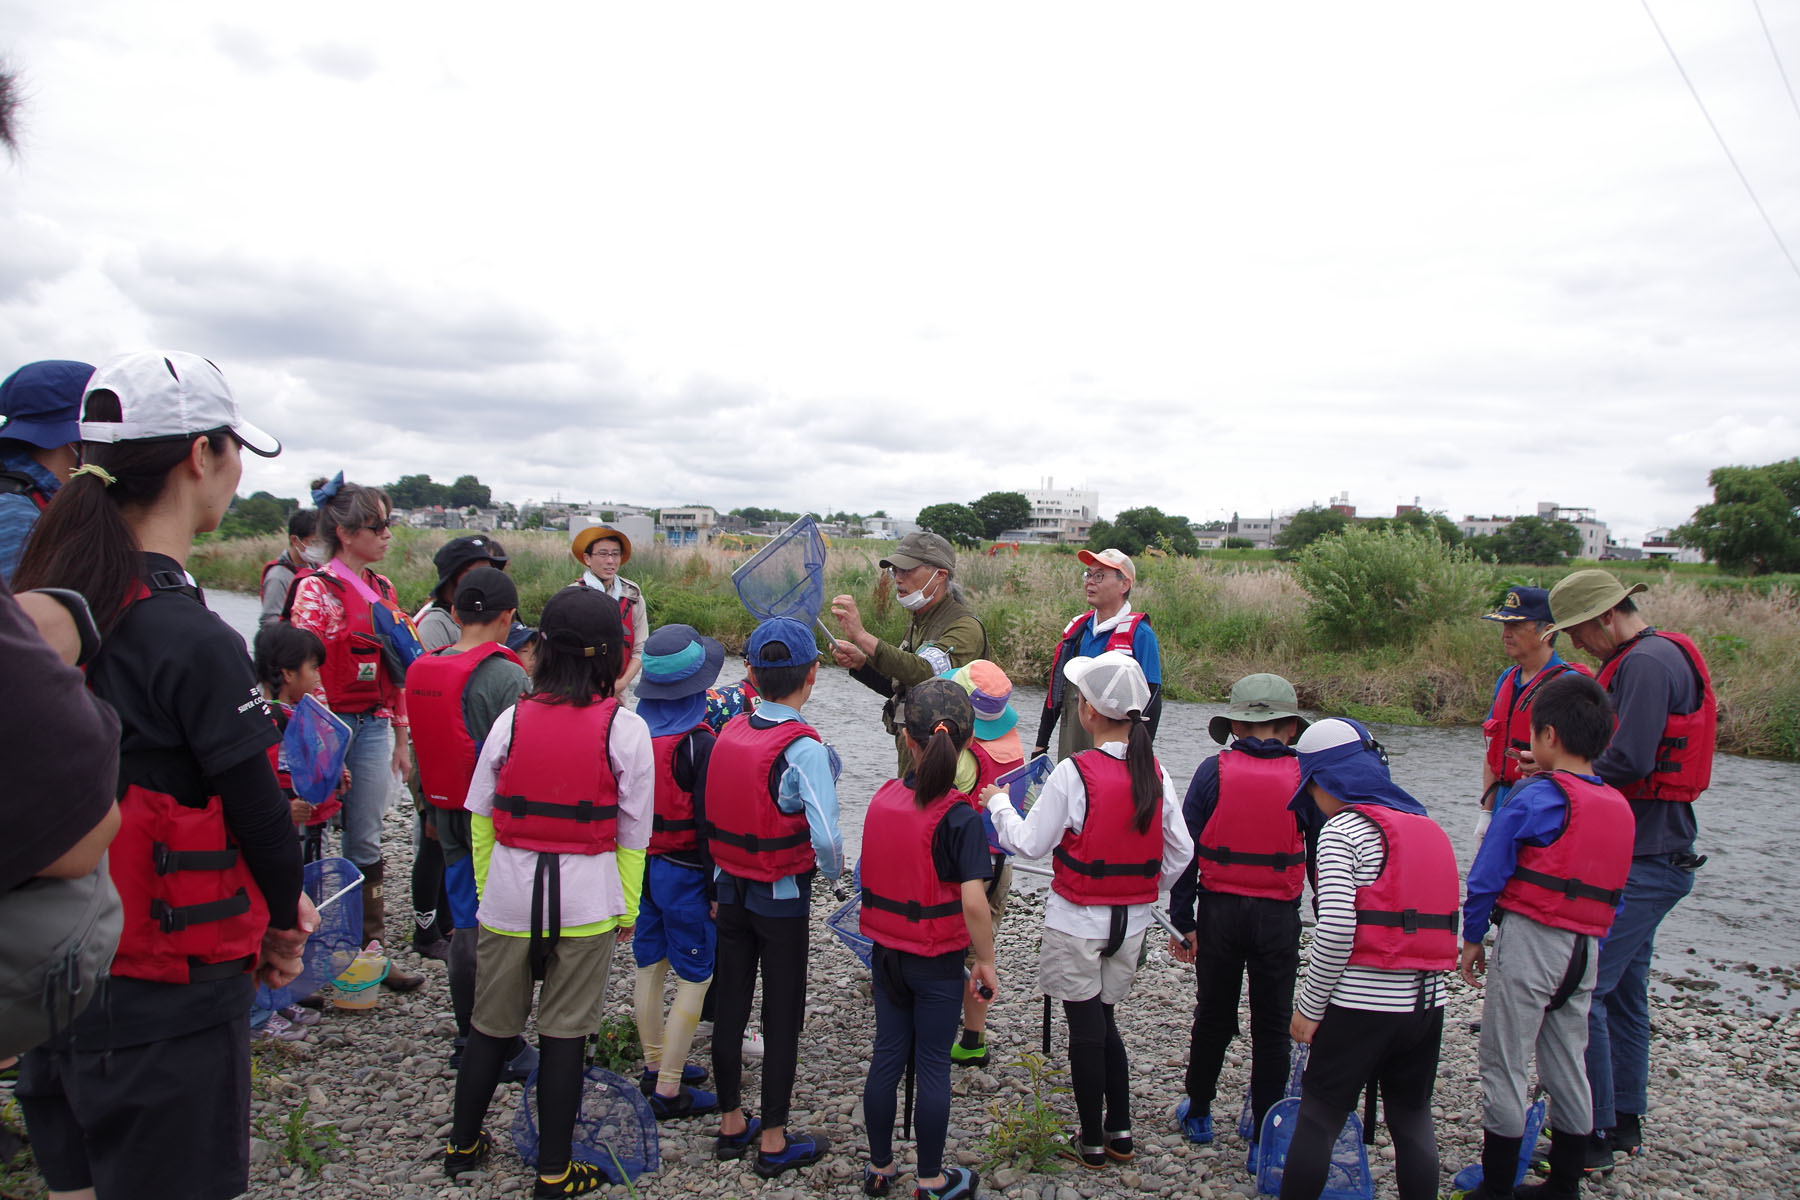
(585, 538)
(1583, 595)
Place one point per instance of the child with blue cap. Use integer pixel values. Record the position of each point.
(1372, 1004)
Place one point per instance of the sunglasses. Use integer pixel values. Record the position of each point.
(380, 526)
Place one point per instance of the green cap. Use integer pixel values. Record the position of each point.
(1583, 595)
(921, 546)
(1257, 699)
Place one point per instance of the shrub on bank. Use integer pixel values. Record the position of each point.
(1386, 587)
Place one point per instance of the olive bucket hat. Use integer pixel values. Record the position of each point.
(1257, 699)
(1583, 595)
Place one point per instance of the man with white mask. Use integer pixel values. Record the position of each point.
(944, 632)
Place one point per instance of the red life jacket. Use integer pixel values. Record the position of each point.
(746, 831)
(278, 759)
(555, 794)
(442, 744)
(1406, 919)
(986, 771)
(352, 675)
(1118, 639)
(674, 829)
(1577, 881)
(192, 909)
(1251, 843)
(279, 562)
(1109, 861)
(1509, 727)
(18, 483)
(1684, 755)
(905, 905)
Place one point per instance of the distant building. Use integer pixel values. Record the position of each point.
(889, 528)
(1594, 538)
(1057, 514)
(1262, 531)
(1661, 543)
(690, 525)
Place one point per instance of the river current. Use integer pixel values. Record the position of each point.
(1729, 937)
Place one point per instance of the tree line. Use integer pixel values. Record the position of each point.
(264, 512)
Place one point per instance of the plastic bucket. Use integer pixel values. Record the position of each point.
(359, 987)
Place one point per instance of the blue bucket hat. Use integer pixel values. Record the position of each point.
(1522, 604)
(1347, 761)
(678, 662)
(41, 402)
(796, 637)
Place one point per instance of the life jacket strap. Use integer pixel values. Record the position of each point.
(1574, 889)
(1411, 920)
(912, 910)
(584, 811)
(1225, 855)
(757, 844)
(1099, 868)
(168, 861)
(174, 920)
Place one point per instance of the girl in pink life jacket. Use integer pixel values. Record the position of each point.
(924, 905)
(1112, 818)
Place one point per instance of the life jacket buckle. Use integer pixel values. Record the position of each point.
(1409, 920)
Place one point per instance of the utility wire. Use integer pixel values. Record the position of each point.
(1729, 156)
(1770, 38)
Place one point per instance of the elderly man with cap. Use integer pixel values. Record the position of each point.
(40, 444)
(1660, 757)
(1525, 636)
(603, 550)
(1238, 902)
(1109, 624)
(944, 632)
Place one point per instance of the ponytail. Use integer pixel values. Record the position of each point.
(1146, 778)
(935, 772)
(83, 542)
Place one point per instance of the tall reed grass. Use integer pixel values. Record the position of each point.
(1216, 620)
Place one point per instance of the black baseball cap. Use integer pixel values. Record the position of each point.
(487, 590)
(458, 553)
(579, 620)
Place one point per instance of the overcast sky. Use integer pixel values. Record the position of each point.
(850, 256)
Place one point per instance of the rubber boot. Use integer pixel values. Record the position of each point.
(375, 925)
(1568, 1156)
(1499, 1166)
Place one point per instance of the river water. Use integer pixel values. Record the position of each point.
(1724, 938)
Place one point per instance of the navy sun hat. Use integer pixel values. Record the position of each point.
(1346, 760)
(1522, 604)
(795, 637)
(41, 402)
(678, 662)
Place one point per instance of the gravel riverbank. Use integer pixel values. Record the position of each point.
(1725, 1093)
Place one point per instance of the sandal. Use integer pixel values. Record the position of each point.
(877, 1183)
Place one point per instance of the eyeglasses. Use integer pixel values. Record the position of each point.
(1096, 574)
(608, 552)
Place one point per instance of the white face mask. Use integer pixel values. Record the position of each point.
(914, 601)
(314, 553)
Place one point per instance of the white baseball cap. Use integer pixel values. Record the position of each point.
(1112, 683)
(169, 394)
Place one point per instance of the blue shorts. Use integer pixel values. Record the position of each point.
(675, 920)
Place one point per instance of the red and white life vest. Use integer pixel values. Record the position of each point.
(1577, 881)
(1685, 753)
(442, 744)
(353, 676)
(557, 793)
(192, 910)
(1508, 726)
(1070, 642)
(1406, 919)
(905, 905)
(674, 829)
(1251, 845)
(747, 833)
(1109, 861)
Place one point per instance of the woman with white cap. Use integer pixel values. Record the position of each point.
(149, 1094)
(602, 550)
(1112, 818)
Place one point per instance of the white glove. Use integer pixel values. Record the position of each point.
(1481, 825)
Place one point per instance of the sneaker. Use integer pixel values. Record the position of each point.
(312, 1000)
(753, 1045)
(733, 1145)
(1252, 1159)
(1091, 1157)
(438, 948)
(580, 1179)
(1627, 1137)
(1118, 1146)
(278, 1029)
(293, 1014)
(688, 1102)
(802, 1150)
(1197, 1128)
(1599, 1155)
(692, 1075)
(519, 1067)
(963, 1056)
(877, 1183)
(959, 1184)
(457, 1161)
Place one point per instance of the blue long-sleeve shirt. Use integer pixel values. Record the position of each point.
(1534, 816)
(806, 786)
(1197, 809)
(19, 512)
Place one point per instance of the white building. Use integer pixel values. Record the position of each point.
(1592, 529)
(1057, 514)
(1661, 543)
(1262, 531)
(890, 528)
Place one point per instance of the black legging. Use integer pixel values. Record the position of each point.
(1098, 1069)
(1317, 1128)
(558, 1093)
(430, 900)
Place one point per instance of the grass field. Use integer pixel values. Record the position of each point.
(1218, 617)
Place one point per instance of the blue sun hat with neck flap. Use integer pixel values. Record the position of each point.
(1343, 757)
(678, 662)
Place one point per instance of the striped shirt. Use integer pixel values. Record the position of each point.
(1351, 856)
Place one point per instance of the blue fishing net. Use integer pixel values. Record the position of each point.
(1246, 1126)
(786, 578)
(846, 922)
(314, 746)
(614, 1127)
(1469, 1178)
(1347, 1177)
(335, 887)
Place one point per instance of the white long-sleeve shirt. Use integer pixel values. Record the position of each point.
(1062, 807)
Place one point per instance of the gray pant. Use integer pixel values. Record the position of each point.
(1528, 965)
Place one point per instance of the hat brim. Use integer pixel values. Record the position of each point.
(1501, 616)
(256, 440)
(1596, 610)
(1220, 726)
(693, 683)
(583, 540)
(905, 562)
(46, 435)
(1000, 726)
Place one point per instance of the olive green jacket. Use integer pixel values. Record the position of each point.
(946, 636)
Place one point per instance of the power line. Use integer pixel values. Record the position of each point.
(1729, 156)
(1770, 38)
